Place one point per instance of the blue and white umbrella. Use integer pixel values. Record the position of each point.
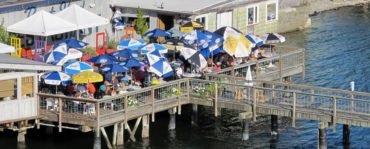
(132, 63)
(153, 46)
(103, 59)
(113, 68)
(56, 78)
(74, 43)
(153, 56)
(77, 67)
(161, 68)
(158, 33)
(214, 41)
(58, 55)
(255, 40)
(132, 44)
(196, 37)
(126, 53)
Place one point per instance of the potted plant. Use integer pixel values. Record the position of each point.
(111, 46)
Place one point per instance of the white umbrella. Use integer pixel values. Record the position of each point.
(248, 77)
(6, 48)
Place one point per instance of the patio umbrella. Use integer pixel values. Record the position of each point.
(57, 56)
(77, 67)
(74, 43)
(194, 57)
(126, 53)
(113, 68)
(248, 77)
(87, 77)
(103, 59)
(6, 48)
(272, 38)
(157, 33)
(191, 25)
(132, 63)
(153, 56)
(173, 44)
(56, 78)
(235, 44)
(214, 42)
(153, 46)
(255, 40)
(196, 37)
(161, 68)
(132, 44)
(175, 32)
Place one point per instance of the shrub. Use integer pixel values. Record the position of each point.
(111, 44)
(89, 50)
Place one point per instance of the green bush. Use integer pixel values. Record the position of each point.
(111, 44)
(89, 50)
(4, 37)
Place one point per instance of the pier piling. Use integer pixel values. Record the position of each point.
(322, 135)
(346, 134)
(274, 125)
(172, 122)
(245, 117)
(145, 128)
(120, 135)
(97, 141)
(194, 116)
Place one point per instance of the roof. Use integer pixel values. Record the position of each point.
(179, 6)
(42, 24)
(9, 62)
(226, 6)
(81, 17)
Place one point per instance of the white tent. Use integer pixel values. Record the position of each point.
(6, 48)
(42, 24)
(81, 17)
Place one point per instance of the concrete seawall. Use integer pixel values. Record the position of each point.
(295, 15)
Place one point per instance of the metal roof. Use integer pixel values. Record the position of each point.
(9, 62)
(178, 6)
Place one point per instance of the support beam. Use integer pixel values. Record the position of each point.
(109, 145)
(346, 134)
(194, 116)
(133, 131)
(172, 122)
(145, 129)
(97, 141)
(21, 136)
(322, 135)
(245, 135)
(274, 125)
(120, 135)
(114, 139)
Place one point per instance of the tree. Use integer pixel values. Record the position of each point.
(3, 33)
(141, 26)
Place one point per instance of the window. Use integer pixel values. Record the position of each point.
(203, 19)
(272, 11)
(224, 19)
(252, 15)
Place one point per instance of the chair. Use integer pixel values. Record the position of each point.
(27, 54)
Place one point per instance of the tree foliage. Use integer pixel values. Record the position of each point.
(141, 26)
(3, 34)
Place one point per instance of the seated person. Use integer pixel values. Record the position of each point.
(92, 90)
(217, 67)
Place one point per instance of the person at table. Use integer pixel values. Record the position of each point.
(180, 71)
(115, 85)
(81, 91)
(91, 89)
(217, 67)
(108, 86)
(101, 91)
(70, 90)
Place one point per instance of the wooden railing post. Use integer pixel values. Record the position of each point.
(233, 71)
(216, 100)
(60, 114)
(334, 113)
(188, 89)
(352, 104)
(126, 111)
(97, 108)
(153, 105)
(280, 68)
(178, 98)
(294, 108)
(254, 104)
(257, 70)
(303, 65)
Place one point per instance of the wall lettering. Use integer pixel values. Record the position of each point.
(30, 11)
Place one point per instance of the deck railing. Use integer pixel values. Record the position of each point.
(277, 65)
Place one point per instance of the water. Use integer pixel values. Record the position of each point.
(337, 52)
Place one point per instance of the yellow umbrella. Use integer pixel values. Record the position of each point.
(87, 77)
(188, 27)
(237, 46)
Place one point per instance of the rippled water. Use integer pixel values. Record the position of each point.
(337, 52)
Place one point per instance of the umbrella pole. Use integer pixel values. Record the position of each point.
(77, 35)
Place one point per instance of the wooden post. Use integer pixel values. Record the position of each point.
(303, 65)
(60, 114)
(114, 139)
(19, 88)
(312, 97)
(254, 104)
(233, 71)
(294, 108)
(346, 135)
(281, 68)
(109, 145)
(178, 99)
(257, 70)
(216, 100)
(188, 89)
(132, 133)
(153, 106)
(97, 141)
(145, 128)
(120, 136)
(274, 125)
(334, 113)
(172, 122)
(322, 136)
(126, 111)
